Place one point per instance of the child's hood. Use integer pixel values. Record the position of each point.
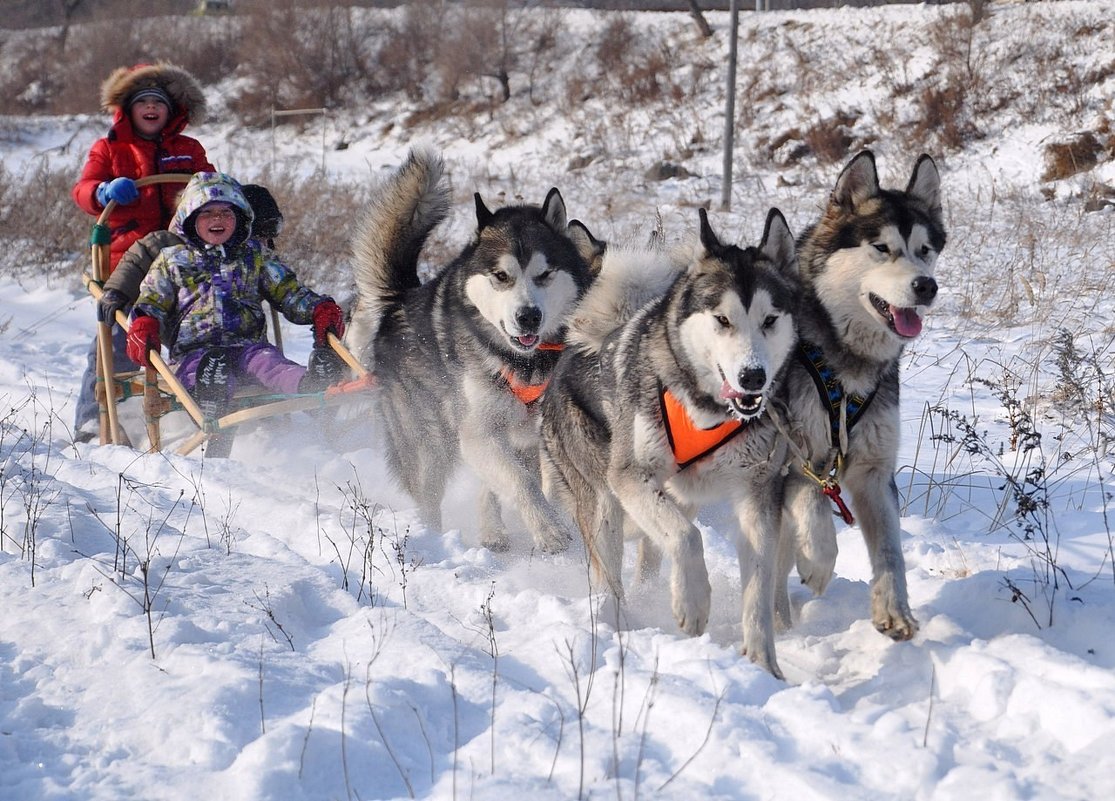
(180, 85)
(207, 187)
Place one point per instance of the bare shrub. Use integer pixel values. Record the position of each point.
(635, 66)
(1064, 159)
(947, 105)
(296, 57)
(831, 139)
(37, 213)
(318, 212)
(400, 61)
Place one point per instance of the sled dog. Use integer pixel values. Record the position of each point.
(867, 269)
(658, 406)
(462, 359)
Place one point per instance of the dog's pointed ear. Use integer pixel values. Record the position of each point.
(708, 239)
(590, 248)
(553, 210)
(778, 243)
(483, 216)
(925, 183)
(858, 182)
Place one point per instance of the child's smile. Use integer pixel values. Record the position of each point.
(149, 117)
(215, 223)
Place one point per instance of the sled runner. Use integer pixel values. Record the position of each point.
(161, 390)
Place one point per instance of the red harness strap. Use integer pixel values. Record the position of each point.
(688, 442)
(528, 393)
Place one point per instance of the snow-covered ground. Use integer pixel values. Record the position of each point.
(278, 626)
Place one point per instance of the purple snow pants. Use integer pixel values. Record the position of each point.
(261, 363)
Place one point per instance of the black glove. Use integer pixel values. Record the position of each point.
(112, 301)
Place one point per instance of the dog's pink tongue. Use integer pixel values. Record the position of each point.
(528, 341)
(906, 321)
(728, 393)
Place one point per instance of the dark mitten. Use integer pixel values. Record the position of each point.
(325, 369)
(143, 335)
(122, 190)
(112, 301)
(327, 317)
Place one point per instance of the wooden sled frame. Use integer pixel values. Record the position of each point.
(161, 388)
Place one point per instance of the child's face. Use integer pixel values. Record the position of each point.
(149, 117)
(215, 223)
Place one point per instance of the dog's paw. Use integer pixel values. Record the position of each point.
(553, 539)
(692, 597)
(890, 612)
(762, 655)
(816, 563)
(896, 625)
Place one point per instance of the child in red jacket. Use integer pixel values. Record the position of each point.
(151, 105)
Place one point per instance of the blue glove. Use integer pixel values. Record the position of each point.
(122, 190)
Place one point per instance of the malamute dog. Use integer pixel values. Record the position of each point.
(657, 408)
(867, 266)
(461, 360)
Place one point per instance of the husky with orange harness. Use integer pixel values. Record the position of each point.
(659, 406)
(462, 359)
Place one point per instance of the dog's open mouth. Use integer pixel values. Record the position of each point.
(525, 341)
(902, 320)
(743, 405)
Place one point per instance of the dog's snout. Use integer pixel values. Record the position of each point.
(752, 379)
(925, 289)
(528, 318)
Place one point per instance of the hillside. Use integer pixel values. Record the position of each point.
(279, 627)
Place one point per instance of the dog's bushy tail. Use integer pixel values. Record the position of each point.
(630, 277)
(389, 239)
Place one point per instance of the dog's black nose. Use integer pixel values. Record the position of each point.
(925, 288)
(753, 379)
(528, 319)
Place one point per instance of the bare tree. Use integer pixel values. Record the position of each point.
(699, 16)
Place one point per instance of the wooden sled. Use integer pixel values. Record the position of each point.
(162, 391)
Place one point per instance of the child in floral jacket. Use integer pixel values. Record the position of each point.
(205, 299)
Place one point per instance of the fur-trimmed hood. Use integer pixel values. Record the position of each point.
(183, 88)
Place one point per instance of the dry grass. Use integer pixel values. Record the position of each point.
(1067, 158)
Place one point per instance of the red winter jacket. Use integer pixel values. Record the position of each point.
(123, 153)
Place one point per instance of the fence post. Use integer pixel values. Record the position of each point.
(290, 112)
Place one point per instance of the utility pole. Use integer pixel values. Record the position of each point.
(730, 107)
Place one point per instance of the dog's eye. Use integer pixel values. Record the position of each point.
(723, 321)
(770, 322)
(879, 246)
(500, 276)
(544, 278)
(924, 251)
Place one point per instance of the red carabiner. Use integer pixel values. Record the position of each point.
(832, 489)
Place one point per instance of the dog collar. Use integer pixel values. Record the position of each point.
(844, 409)
(688, 442)
(528, 393)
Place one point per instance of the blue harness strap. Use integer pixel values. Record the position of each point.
(831, 390)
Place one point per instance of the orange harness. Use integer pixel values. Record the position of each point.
(688, 442)
(528, 393)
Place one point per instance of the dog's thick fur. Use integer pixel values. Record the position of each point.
(867, 266)
(447, 353)
(716, 333)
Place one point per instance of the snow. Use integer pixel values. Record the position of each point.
(308, 639)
